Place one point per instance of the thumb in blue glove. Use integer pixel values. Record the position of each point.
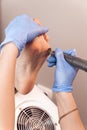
(64, 72)
(22, 30)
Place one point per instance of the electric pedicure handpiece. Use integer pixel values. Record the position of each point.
(75, 61)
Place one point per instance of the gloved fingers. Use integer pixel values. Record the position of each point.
(51, 61)
(59, 57)
(22, 30)
(51, 64)
(56, 60)
(27, 23)
(22, 19)
(64, 73)
(58, 52)
(71, 52)
(39, 30)
(61, 62)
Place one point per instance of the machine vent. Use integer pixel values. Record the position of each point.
(33, 118)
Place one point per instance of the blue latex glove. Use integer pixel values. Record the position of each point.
(22, 30)
(64, 73)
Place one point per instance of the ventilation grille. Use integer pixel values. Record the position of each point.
(32, 118)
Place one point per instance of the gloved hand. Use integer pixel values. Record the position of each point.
(64, 73)
(22, 30)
